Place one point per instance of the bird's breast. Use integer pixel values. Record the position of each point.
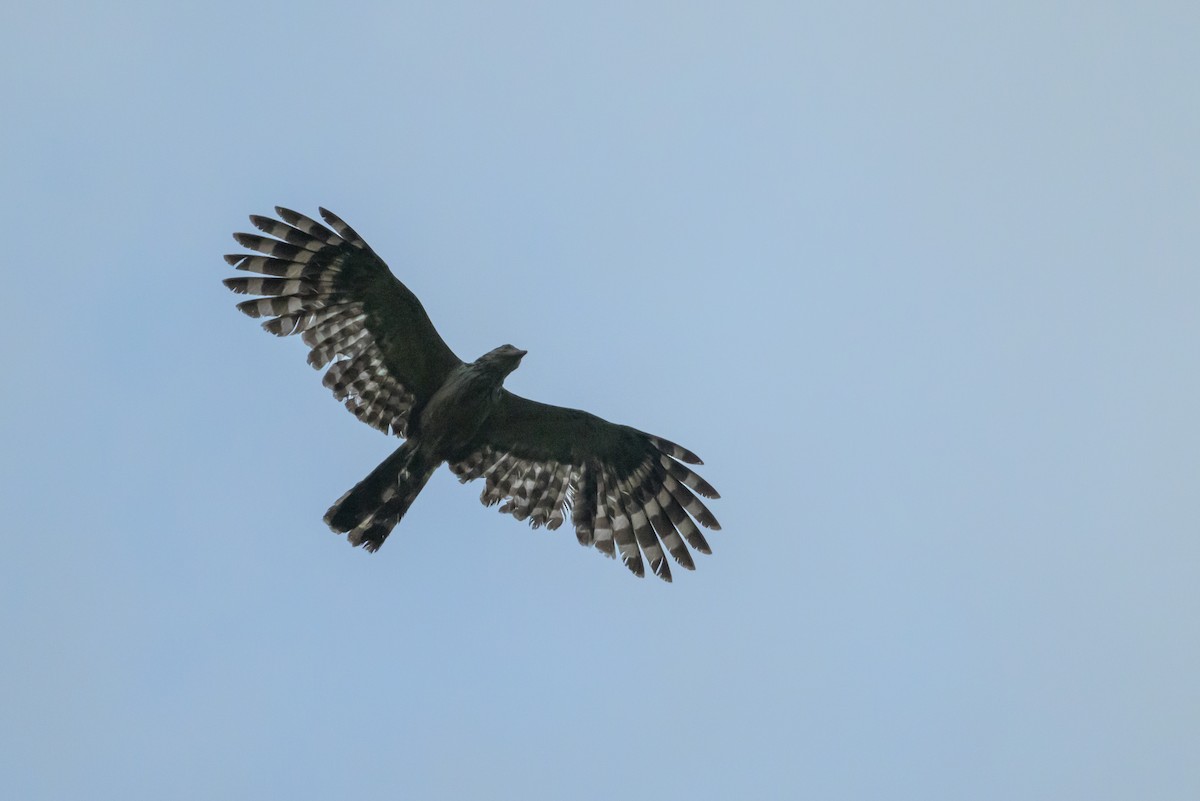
(456, 412)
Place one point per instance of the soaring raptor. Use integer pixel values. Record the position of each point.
(626, 491)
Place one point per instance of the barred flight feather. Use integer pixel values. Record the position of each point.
(302, 321)
(276, 248)
(623, 536)
(350, 369)
(673, 450)
(549, 508)
(309, 226)
(473, 466)
(278, 268)
(349, 339)
(681, 473)
(648, 542)
(584, 513)
(667, 533)
(497, 484)
(329, 322)
(291, 234)
(277, 307)
(271, 286)
(682, 522)
(345, 231)
(603, 527)
(333, 333)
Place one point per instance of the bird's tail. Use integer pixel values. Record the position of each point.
(369, 511)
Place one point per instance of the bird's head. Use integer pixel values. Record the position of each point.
(503, 359)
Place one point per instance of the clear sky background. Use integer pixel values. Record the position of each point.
(919, 283)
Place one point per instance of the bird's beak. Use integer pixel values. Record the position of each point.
(521, 353)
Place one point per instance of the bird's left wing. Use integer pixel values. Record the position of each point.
(626, 491)
(328, 285)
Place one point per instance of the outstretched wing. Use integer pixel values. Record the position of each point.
(330, 287)
(626, 491)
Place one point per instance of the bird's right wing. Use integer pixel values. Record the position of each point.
(329, 286)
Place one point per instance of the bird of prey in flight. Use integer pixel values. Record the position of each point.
(625, 491)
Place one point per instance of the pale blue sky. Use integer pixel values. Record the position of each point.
(920, 284)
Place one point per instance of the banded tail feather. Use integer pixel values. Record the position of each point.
(369, 511)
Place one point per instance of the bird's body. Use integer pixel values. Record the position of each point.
(446, 427)
(626, 490)
(465, 401)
